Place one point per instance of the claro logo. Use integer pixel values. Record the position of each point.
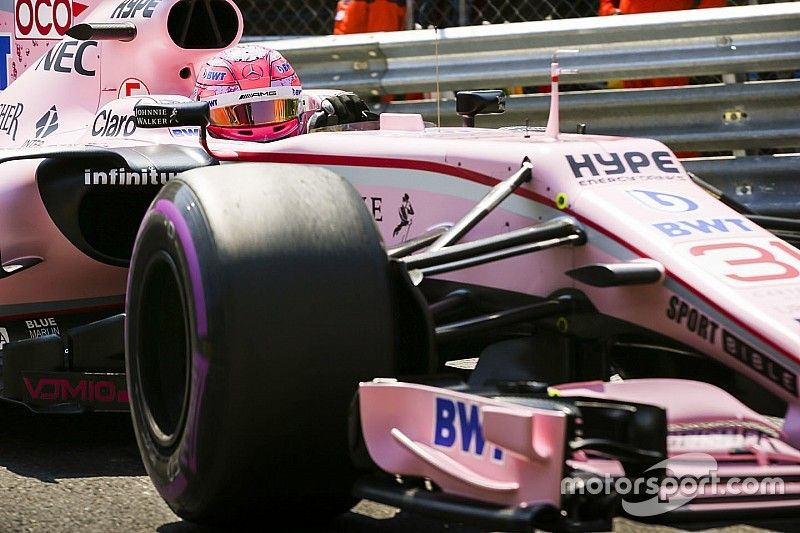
(107, 124)
(44, 19)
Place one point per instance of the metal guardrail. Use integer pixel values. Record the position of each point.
(762, 38)
(715, 117)
(738, 118)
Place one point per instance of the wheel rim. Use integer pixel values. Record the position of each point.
(164, 351)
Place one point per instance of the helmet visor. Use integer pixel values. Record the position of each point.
(260, 113)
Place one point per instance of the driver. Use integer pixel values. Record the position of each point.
(254, 94)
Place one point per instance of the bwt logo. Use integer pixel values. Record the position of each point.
(44, 19)
(214, 76)
(459, 424)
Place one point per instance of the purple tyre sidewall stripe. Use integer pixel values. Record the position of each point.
(173, 214)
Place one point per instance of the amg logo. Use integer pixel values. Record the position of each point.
(122, 176)
(258, 94)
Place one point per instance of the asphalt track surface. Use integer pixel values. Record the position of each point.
(83, 474)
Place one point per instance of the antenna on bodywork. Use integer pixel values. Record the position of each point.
(553, 128)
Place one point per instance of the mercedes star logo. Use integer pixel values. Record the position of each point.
(252, 72)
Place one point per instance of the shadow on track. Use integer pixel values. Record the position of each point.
(51, 447)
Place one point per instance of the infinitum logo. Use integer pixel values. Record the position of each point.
(123, 176)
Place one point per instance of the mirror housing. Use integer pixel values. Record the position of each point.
(471, 103)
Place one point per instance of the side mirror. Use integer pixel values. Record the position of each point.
(172, 115)
(471, 103)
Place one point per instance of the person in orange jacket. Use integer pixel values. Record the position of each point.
(627, 7)
(361, 16)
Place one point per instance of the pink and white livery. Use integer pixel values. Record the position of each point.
(523, 313)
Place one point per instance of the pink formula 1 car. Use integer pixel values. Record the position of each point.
(543, 330)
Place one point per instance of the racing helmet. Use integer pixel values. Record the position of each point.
(253, 94)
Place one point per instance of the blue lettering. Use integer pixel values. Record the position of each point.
(5, 52)
(664, 201)
(468, 424)
(705, 226)
(445, 423)
(214, 76)
(470, 427)
(671, 229)
(739, 223)
(688, 227)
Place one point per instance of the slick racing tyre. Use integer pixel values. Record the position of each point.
(258, 298)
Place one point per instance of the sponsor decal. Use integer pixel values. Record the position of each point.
(48, 388)
(156, 117)
(107, 124)
(458, 424)
(214, 75)
(704, 327)
(406, 213)
(682, 228)
(5, 53)
(257, 94)
(4, 339)
(693, 320)
(374, 205)
(47, 124)
(283, 68)
(9, 119)
(758, 261)
(252, 72)
(185, 132)
(662, 201)
(132, 87)
(66, 57)
(759, 362)
(39, 327)
(44, 19)
(123, 176)
(598, 168)
(129, 9)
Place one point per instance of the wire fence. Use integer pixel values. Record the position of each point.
(316, 17)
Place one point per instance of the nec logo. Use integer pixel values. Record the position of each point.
(258, 94)
(44, 19)
(133, 8)
(214, 76)
(626, 163)
(68, 56)
(459, 424)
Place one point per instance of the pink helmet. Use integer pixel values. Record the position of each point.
(253, 93)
